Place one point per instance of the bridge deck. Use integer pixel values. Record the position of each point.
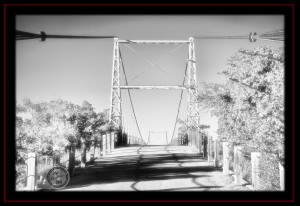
(151, 168)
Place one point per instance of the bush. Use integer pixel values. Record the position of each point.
(269, 173)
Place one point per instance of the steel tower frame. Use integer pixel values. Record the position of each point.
(193, 116)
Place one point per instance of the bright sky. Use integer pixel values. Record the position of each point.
(78, 70)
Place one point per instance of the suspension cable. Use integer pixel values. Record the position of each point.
(129, 94)
(186, 66)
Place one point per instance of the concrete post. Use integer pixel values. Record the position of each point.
(209, 152)
(200, 144)
(238, 165)
(216, 160)
(113, 136)
(71, 160)
(225, 158)
(204, 138)
(99, 148)
(99, 152)
(108, 140)
(31, 171)
(255, 158)
(104, 144)
(281, 174)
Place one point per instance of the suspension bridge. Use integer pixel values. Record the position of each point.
(183, 162)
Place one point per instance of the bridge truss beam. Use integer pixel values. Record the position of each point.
(153, 87)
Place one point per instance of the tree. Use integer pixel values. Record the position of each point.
(250, 105)
(183, 130)
(40, 127)
(43, 126)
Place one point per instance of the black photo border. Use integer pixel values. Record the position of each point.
(11, 10)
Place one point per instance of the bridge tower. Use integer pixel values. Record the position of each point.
(115, 114)
(193, 116)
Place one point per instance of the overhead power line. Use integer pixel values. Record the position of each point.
(22, 35)
(275, 36)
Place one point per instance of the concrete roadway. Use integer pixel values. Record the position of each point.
(151, 168)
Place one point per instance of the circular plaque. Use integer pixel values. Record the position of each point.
(58, 177)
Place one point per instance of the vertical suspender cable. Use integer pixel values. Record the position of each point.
(186, 66)
(130, 95)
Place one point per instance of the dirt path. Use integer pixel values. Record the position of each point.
(148, 168)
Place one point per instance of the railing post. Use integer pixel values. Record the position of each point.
(108, 144)
(200, 144)
(238, 165)
(31, 171)
(71, 160)
(113, 137)
(104, 144)
(216, 161)
(98, 149)
(209, 158)
(255, 158)
(225, 158)
(204, 139)
(281, 175)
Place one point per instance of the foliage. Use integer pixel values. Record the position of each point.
(41, 126)
(269, 175)
(250, 105)
(183, 130)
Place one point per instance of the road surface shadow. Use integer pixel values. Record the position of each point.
(142, 167)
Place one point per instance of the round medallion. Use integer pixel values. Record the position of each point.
(58, 177)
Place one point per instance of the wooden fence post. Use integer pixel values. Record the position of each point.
(31, 171)
(255, 157)
(281, 175)
(225, 158)
(209, 158)
(216, 161)
(71, 160)
(238, 165)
